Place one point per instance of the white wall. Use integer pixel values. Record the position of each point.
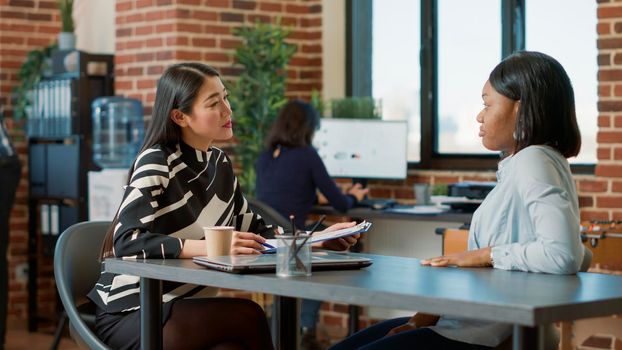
(95, 25)
(334, 49)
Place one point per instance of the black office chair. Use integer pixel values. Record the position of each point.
(76, 270)
(269, 215)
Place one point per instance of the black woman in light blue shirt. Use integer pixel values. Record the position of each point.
(529, 221)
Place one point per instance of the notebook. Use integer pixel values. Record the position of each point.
(362, 227)
(320, 260)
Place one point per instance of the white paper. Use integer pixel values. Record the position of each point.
(325, 236)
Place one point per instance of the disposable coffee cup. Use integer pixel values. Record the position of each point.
(218, 240)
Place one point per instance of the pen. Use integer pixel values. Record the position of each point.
(317, 224)
(293, 226)
(267, 245)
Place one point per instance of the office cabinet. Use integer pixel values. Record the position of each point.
(59, 152)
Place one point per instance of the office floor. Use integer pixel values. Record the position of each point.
(22, 340)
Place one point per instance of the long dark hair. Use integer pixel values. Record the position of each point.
(546, 115)
(294, 126)
(177, 88)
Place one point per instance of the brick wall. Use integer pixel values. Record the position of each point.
(152, 34)
(606, 187)
(24, 25)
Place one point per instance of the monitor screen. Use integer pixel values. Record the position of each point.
(362, 148)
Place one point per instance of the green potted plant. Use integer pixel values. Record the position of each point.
(356, 107)
(66, 37)
(36, 66)
(259, 92)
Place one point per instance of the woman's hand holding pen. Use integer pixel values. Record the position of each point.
(342, 243)
(246, 243)
(472, 258)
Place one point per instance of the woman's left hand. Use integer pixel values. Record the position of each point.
(342, 243)
(472, 258)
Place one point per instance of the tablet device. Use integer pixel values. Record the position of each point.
(320, 260)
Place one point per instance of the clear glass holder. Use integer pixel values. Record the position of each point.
(293, 255)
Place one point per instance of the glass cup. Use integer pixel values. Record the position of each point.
(293, 255)
(218, 240)
(422, 194)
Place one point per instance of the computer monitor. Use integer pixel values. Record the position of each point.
(363, 148)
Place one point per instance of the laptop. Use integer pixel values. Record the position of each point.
(320, 261)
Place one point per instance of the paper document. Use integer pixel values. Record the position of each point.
(324, 236)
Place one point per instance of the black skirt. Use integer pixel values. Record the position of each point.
(121, 330)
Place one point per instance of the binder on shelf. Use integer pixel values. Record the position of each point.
(54, 220)
(45, 219)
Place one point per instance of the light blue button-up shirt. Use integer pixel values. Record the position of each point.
(531, 219)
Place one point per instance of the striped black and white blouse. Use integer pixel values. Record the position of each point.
(172, 195)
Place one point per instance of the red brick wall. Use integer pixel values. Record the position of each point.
(151, 34)
(24, 25)
(606, 187)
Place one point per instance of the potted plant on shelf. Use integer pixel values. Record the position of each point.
(35, 67)
(66, 38)
(359, 107)
(259, 92)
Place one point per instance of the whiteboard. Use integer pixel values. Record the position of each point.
(362, 148)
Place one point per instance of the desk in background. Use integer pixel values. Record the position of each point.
(530, 301)
(399, 234)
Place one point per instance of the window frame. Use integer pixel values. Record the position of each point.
(359, 76)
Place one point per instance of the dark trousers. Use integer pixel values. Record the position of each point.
(373, 338)
(10, 171)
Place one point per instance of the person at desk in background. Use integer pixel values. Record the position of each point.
(290, 173)
(180, 183)
(529, 221)
(10, 171)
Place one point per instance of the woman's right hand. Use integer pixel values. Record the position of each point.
(246, 243)
(357, 191)
(419, 320)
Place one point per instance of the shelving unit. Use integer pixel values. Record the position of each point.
(59, 153)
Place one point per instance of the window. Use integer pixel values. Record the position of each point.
(469, 45)
(430, 58)
(396, 71)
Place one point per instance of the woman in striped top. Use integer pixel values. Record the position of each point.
(180, 183)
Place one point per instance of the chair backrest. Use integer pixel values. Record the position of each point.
(269, 214)
(76, 270)
(587, 260)
(455, 240)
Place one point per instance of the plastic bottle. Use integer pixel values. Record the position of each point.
(118, 131)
